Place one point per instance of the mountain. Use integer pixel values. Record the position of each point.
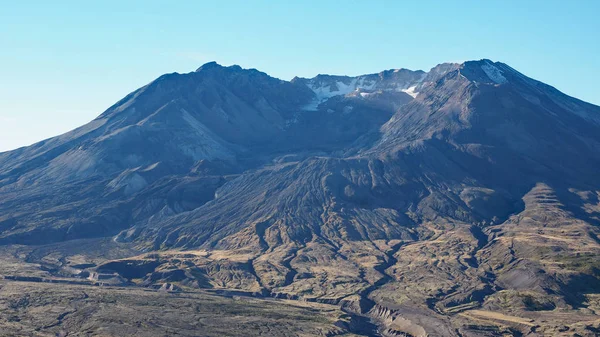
(462, 201)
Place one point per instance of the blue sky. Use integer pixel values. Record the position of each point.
(62, 63)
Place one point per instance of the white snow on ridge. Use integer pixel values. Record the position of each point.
(326, 87)
(494, 73)
(411, 91)
(324, 91)
(339, 88)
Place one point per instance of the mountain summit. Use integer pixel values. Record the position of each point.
(444, 203)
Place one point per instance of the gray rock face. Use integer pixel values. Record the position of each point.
(446, 173)
(223, 119)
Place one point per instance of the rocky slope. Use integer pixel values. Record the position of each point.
(460, 201)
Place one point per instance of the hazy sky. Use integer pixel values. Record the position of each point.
(64, 62)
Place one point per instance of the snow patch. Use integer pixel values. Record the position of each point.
(494, 73)
(150, 167)
(411, 91)
(325, 91)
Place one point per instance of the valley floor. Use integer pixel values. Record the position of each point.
(47, 309)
